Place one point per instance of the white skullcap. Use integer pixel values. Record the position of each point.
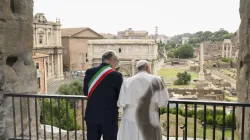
(141, 62)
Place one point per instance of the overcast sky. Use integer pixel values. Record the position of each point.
(171, 16)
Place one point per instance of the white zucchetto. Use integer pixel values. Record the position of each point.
(141, 62)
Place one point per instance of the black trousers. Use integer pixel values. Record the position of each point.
(108, 131)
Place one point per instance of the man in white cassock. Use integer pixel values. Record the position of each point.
(142, 95)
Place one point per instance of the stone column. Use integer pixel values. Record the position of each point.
(16, 43)
(243, 71)
(34, 38)
(46, 36)
(48, 68)
(36, 34)
(133, 67)
(61, 58)
(52, 65)
(230, 53)
(45, 73)
(57, 37)
(223, 49)
(227, 50)
(58, 73)
(201, 73)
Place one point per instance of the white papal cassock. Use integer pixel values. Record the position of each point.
(141, 96)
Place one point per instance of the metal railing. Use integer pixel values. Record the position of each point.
(37, 99)
(28, 104)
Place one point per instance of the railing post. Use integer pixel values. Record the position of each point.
(183, 127)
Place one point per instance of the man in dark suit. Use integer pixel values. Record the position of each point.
(102, 86)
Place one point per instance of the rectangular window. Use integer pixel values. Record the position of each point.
(120, 50)
(37, 65)
(39, 83)
(40, 39)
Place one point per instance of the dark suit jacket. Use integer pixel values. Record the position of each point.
(102, 105)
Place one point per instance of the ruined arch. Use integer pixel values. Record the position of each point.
(125, 72)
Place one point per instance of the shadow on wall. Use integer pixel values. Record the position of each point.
(148, 130)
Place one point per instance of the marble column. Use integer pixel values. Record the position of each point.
(223, 49)
(227, 50)
(201, 73)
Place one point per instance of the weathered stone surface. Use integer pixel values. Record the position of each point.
(243, 68)
(17, 72)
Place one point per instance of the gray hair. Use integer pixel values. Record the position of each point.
(108, 54)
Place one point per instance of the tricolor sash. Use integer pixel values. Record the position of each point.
(97, 78)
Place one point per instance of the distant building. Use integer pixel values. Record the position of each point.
(129, 51)
(40, 62)
(160, 38)
(47, 40)
(131, 34)
(108, 36)
(185, 40)
(76, 47)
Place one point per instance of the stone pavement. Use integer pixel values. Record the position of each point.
(53, 86)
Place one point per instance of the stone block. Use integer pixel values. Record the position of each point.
(17, 72)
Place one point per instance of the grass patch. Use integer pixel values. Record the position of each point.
(170, 73)
(190, 128)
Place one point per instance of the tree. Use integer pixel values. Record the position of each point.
(74, 88)
(182, 78)
(64, 121)
(185, 51)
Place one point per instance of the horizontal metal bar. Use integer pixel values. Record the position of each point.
(55, 96)
(204, 102)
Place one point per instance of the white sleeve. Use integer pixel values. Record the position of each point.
(161, 96)
(122, 95)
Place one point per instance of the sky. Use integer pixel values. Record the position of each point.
(171, 16)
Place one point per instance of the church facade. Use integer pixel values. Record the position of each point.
(47, 40)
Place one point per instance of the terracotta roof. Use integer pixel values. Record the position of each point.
(68, 32)
(39, 55)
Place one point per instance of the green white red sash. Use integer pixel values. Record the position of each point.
(97, 78)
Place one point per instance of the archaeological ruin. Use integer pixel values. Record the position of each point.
(128, 51)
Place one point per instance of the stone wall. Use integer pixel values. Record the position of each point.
(201, 93)
(17, 71)
(243, 71)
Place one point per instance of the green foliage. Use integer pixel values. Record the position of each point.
(209, 120)
(185, 51)
(226, 59)
(198, 37)
(74, 88)
(170, 54)
(209, 116)
(182, 78)
(55, 113)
